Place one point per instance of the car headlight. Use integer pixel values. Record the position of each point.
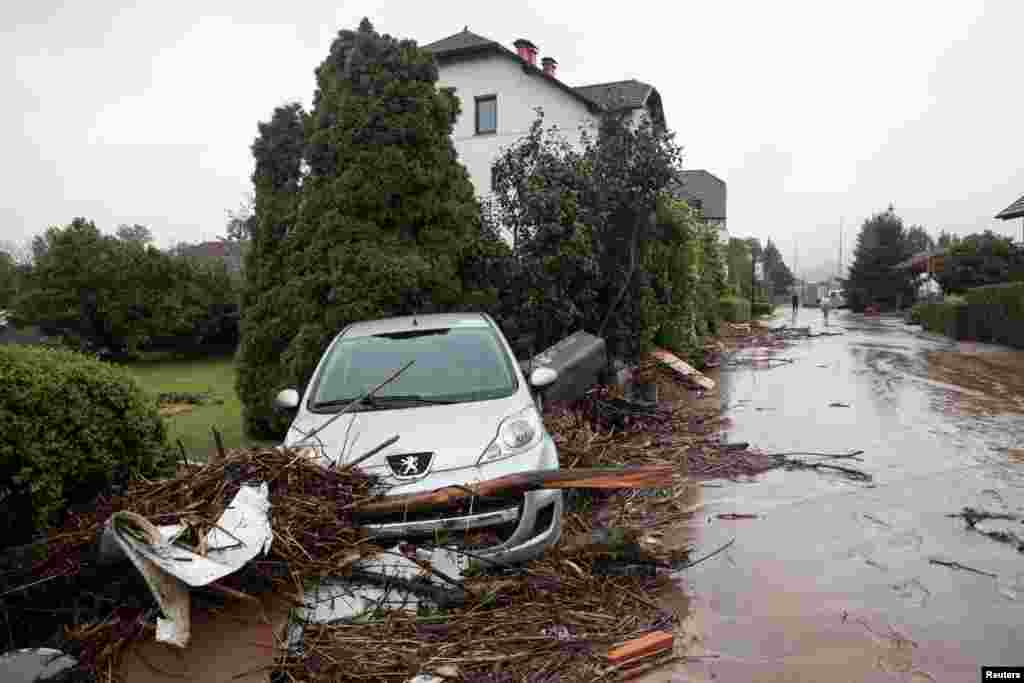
(517, 434)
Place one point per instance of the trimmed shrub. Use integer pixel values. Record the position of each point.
(73, 427)
(945, 317)
(759, 308)
(996, 313)
(734, 309)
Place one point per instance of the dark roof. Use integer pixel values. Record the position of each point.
(229, 252)
(1015, 210)
(690, 172)
(459, 42)
(466, 44)
(629, 94)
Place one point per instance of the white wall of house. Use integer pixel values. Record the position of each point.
(518, 94)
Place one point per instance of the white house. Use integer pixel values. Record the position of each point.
(500, 89)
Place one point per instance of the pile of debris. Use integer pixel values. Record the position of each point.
(276, 524)
(786, 333)
(205, 514)
(176, 402)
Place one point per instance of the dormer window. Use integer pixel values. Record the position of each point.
(486, 114)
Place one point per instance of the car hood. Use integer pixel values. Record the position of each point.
(456, 434)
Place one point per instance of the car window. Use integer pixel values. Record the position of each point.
(453, 364)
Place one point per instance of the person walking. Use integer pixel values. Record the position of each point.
(796, 302)
(826, 305)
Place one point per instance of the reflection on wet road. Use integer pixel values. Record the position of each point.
(834, 580)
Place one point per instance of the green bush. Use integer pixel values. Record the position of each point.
(72, 427)
(101, 291)
(734, 309)
(996, 313)
(759, 308)
(946, 317)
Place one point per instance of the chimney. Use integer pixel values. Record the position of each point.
(527, 51)
(550, 66)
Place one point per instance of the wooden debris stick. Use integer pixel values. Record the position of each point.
(639, 477)
(349, 406)
(964, 567)
(683, 368)
(369, 454)
(642, 647)
(221, 453)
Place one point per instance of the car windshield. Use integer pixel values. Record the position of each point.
(451, 365)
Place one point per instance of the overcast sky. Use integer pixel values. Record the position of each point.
(812, 111)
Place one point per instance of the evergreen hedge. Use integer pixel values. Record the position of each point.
(943, 317)
(71, 427)
(995, 313)
(734, 309)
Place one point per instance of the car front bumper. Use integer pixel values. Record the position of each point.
(537, 515)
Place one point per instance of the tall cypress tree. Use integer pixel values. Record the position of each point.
(266, 324)
(873, 278)
(372, 218)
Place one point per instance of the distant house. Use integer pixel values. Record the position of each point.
(499, 90)
(230, 252)
(1015, 210)
(705, 192)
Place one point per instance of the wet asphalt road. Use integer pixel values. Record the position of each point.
(833, 582)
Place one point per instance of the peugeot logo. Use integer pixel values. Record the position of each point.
(409, 465)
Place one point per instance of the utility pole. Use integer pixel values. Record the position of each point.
(839, 274)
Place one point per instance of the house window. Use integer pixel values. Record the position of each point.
(486, 114)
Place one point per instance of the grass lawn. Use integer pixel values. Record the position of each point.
(214, 376)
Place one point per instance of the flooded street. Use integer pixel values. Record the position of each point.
(835, 579)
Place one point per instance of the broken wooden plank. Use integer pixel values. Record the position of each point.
(639, 477)
(645, 646)
(684, 369)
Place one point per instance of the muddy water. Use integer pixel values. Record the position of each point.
(833, 580)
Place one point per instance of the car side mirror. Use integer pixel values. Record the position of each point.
(287, 399)
(542, 377)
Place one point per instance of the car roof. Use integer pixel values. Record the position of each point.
(433, 321)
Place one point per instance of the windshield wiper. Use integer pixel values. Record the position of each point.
(335, 402)
(408, 398)
(381, 401)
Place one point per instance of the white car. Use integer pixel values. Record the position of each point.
(463, 411)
